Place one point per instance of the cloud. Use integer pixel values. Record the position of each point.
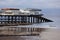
(30, 3)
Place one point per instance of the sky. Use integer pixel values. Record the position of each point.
(30, 3)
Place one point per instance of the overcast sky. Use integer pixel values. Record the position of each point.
(30, 3)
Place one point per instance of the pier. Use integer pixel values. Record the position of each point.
(16, 17)
(21, 19)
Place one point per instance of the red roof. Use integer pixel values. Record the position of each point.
(9, 9)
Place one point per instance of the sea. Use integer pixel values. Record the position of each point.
(53, 14)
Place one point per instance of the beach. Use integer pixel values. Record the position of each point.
(47, 34)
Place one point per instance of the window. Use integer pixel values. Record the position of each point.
(8, 12)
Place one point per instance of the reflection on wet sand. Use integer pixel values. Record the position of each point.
(11, 38)
(48, 34)
(19, 38)
(23, 37)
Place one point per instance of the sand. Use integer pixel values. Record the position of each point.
(47, 34)
(50, 34)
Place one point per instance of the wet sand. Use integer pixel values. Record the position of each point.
(19, 38)
(48, 34)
